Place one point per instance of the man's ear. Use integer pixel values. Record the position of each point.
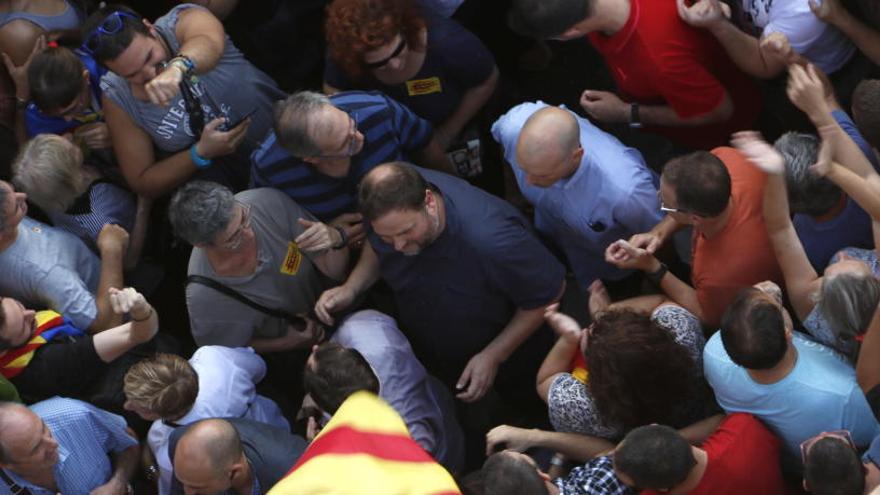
(430, 201)
(237, 468)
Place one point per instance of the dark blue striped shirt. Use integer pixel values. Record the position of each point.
(391, 132)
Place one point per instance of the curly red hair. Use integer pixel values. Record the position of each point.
(355, 27)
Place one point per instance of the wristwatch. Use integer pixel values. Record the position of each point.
(657, 276)
(151, 472)
(634, 121)
(343, 238)
(188, 66)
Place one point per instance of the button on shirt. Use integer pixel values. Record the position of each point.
(462, 290)
(86, 436)
(611, 196)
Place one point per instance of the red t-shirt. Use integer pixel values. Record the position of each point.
(658, 59)
(741, 255)
(743, 460)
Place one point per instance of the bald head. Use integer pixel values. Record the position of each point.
(25, 441)
(15, 419)
(206, 450)
(548, 148)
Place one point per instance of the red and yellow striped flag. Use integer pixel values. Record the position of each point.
(366, 449)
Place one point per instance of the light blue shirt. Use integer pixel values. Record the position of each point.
(86, 436)
(611, 196)
(425, 405)
(47, 267)
(819, 394)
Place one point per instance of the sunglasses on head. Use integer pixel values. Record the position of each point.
(843, 435)
(382, 63)
(111, 24)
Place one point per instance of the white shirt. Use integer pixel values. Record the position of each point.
(227, 389)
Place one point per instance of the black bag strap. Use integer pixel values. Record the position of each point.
(14, 487)
(294, 320)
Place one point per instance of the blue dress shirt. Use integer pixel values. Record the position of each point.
(85, 436)
(611, 196)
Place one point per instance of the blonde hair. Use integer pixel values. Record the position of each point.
(165, 384)
(50, 172)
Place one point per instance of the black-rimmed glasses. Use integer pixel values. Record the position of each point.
(396, 53)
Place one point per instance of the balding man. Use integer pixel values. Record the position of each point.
(231, 456)
(588, 189)
(469, 277)
(64, 446)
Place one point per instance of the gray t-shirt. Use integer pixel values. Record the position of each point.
(285, 277)
(49, 268)
(234, 84)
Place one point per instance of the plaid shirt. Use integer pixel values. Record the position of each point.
(593, 478)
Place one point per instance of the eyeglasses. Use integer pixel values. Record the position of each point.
(396, 53)
(350, 144)
(234, 241)
(666, 209)
(841, 434)
(112, 24)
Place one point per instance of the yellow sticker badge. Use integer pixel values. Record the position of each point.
(292, 260)
(418, 87)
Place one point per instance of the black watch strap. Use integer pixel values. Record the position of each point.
(343, 238)
(657, 276)
(635, 120)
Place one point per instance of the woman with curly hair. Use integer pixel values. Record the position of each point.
(431, 64)
(642, 369)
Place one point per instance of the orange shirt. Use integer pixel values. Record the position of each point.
(741, 254)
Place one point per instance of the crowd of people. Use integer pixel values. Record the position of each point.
(225, 227)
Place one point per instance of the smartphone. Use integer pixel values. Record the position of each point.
(228, 126)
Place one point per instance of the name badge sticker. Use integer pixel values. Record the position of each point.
(292, 260)
(418, 87)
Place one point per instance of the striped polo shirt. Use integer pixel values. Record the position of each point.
(391, 132)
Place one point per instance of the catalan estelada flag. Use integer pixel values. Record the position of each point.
(366, 449)
(49, 326)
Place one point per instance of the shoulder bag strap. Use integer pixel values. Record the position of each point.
(234, 294)
(13, 486)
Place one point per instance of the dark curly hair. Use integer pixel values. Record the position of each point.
(638, 374)
(355, 27)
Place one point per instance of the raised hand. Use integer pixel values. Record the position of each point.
(759, 152)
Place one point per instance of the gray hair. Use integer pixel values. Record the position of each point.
(200, 211)
(847, 301)
(50, 172)
(807, 193)
(293, 118)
